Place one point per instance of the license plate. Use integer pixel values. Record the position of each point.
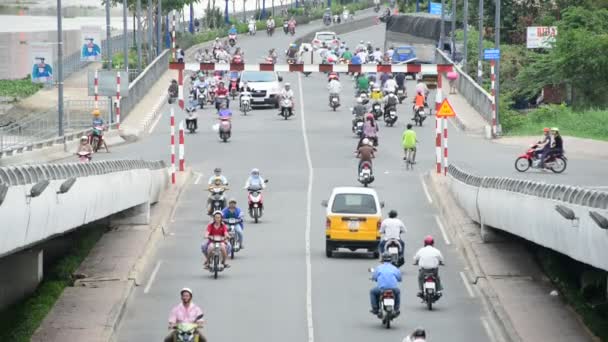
(399, 91)
(255, 205)
(232, 221)
(429, 286)
(388, 302)
(359, 124)
(393, 250)
(393, 112)
(353, 225)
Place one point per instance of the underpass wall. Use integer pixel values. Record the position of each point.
(527, 209)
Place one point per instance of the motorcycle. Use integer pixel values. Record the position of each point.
(554, 162)
(84, 156)
(377, 110)
(191, 118)
(233, 88)
(286, 108)
(286, 27)
(336, 19)
(291, 60)
(393, 247)
(186, 332)
(218, 201)
(255, 202)
(96, 139)
(235, 243)
(390, 116)
(327, 20)
(232, 39)
(252, 29)
(225, 130)
(270, 31)
(201, 95)
(419, 116)
(377, 8)
(364, 97)
(429, 290)
(401, 95)
(245, 104)
(334, 101)
(365, 174)
(216, 255)
(211, 94)
(219, 100)
(292, 30)
(386, 311)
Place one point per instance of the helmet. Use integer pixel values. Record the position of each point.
(369, 43)
(392, 213)
(217, 170)
(217, 38)
(360, 42)
(232, 200)
(420, 91)
(359, 100)
(255, 171)
(96, 112)
(185, 289)
(429, 241)
(369, 116)
(287, 84)
(365, 141)
(386, 257)
(546, 129)
(419, 332)
(554, 129)
(218, 212)
(84, 137)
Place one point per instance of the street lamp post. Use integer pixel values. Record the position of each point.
(226, 18)
(453, 46)
(59, 70)
(442, 27)
(191, 26)
(263, 15)
(159, 27)
(466, 31)
(497, 67)
(480, 47)
(125, 42)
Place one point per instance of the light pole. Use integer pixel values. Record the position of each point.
(263, 16)
(125, 42)
(497, 67)
(109, 56)
(417, 6)
(226, 18)
(150, 24)
(453, 46)
(59, 70)
(466, 31)
(442, 27)
(480, 56)
(191, 26)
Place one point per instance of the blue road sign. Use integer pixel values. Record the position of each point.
(491, 54)
(435, 8)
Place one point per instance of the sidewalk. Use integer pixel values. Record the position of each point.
(467, 117)
(512, 285)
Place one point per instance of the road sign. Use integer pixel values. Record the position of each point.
(435, 8)
(445, 110)
(491, 54)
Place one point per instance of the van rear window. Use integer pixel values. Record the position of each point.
(354, 204)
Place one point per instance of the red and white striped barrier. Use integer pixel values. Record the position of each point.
(431, 69)
(172, 121)
(439, 92)
(445, 145)
(493, 93)
(180, 90)
(118, 99)
(96, 89)
(438, 143)
(181, 147)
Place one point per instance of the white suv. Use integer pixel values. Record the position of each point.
(329, 38)
(265, 87)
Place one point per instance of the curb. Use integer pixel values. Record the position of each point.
(488, 294)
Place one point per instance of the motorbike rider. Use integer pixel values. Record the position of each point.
(544, 144)
(255, 182)
(232, 211)
(428, 258)
(292, 51)
(418, 335)
(391, 51)
(192, 104)
(360, 46)
(387, 277)
(180, 55)
(376, 93)
(347, 54)
(419, 102)
(216, 183)
(390, 85)
(362, 83)
(252, 23)
(377, 55)
(363, 55)
(272, 53)
(85, 146)
(217, 228)
(185, 312)
(370, 128)
(392, 228)
(421, 87)
(232, 30)
(369, 48)
(173, 90)
(556, 146)
(358, 111)
(217, 174)
(217, 44)
(365, 153)
(408, 142)
(390, 100)
(327, 14)
(334, 87)
(291, 24)
(97, 124)
(287, 93)
(221, 91)
(400, 80)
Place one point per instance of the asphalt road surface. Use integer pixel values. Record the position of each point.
(281, 287)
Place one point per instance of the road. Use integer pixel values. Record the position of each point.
(268, 295)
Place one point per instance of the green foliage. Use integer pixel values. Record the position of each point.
(19, 322)
(19, 88)
(167, 5)
(118, 60)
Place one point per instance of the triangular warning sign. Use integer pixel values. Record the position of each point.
(446, 110)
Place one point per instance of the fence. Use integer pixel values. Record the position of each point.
(475, 95)
(141, 85)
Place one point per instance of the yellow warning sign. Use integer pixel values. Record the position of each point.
(446, 110)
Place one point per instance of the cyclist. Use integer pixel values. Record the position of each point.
(408, 141)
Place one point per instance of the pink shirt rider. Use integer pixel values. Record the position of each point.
(182, 314)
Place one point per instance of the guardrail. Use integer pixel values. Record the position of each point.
(38, 202)
(475, 95)
(568, 219)
(142, 84)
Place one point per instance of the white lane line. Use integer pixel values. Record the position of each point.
(157, 120)
(426, 190)
(152, 277)
(489, 331)
(198, 178)
(467, 285)
(311, 330)
(443, 232)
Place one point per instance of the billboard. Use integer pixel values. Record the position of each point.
(540, 37)
(91, 47)
(41, 58)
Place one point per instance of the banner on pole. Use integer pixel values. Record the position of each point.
(41, 56)
(91, 38)
(107, 83)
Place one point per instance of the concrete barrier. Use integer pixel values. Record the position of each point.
(528, 209)
(38, 203)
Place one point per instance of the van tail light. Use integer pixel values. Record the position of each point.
(327, 223)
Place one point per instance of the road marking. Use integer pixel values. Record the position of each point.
(467, 285)
(426, 190)
(198, 178)
(443, 232)
(311, 330)
(489, 331)
(152, 277)
(157, 120)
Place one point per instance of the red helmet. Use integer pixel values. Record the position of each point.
(429, 241)
(369, 116)
(334, 76)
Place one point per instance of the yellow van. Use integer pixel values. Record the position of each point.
(353, 219)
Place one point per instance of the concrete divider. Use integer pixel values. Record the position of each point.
(528, 209)
(38, 202)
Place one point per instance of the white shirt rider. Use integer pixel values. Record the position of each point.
(428, 257)
(223, 179)
(334, 87)
(390, 85)
(270, 23)
(363, 55)
(287, 93)
(377, 55)
(392, 228)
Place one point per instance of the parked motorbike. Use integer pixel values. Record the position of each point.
(401, 95)
(186, 332)
(286, 108)
(84, 156)
(365, 174)
(217, 198)
(215, 265)
(232, 39)
(334, 101)
(225, 129)
(377, 110)
(235, 243)
(386, 312)
(255, 202)
(245, 102)
(554, 162)
(390, 116)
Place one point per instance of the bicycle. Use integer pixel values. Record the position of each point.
(409, 159)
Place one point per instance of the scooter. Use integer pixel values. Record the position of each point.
(232, 39)
(401, 95)
(201, 95)
(336, 19)
(555, 163)
(84, 156)
(419, 116)
(235, 243)
(191, 118)
(390, 116)
(365, 174)
(270, 31)
(225, 129)
(252, 29)
(377, 110)
(386, 312)
(216, 255)
(292, 30)
(96, 139)
(219, 100)
(186, 332)
(217, 199)
(255, 202)
(245, 102)
(393, 248)
(233, 88)
(334, 101)
(286, 108)
(429, 289)
(286, 27)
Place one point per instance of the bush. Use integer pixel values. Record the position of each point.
(19, 88)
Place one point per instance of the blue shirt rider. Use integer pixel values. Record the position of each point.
(356, 60)
(234, 212)
(255, 181)
(232, 30)
(387, 277)
(97, 123)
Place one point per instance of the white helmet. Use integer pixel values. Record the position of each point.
(255, 171)
(84, 137)
(287, 84)
(359, 100)
(365, 141)
(187, 290)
